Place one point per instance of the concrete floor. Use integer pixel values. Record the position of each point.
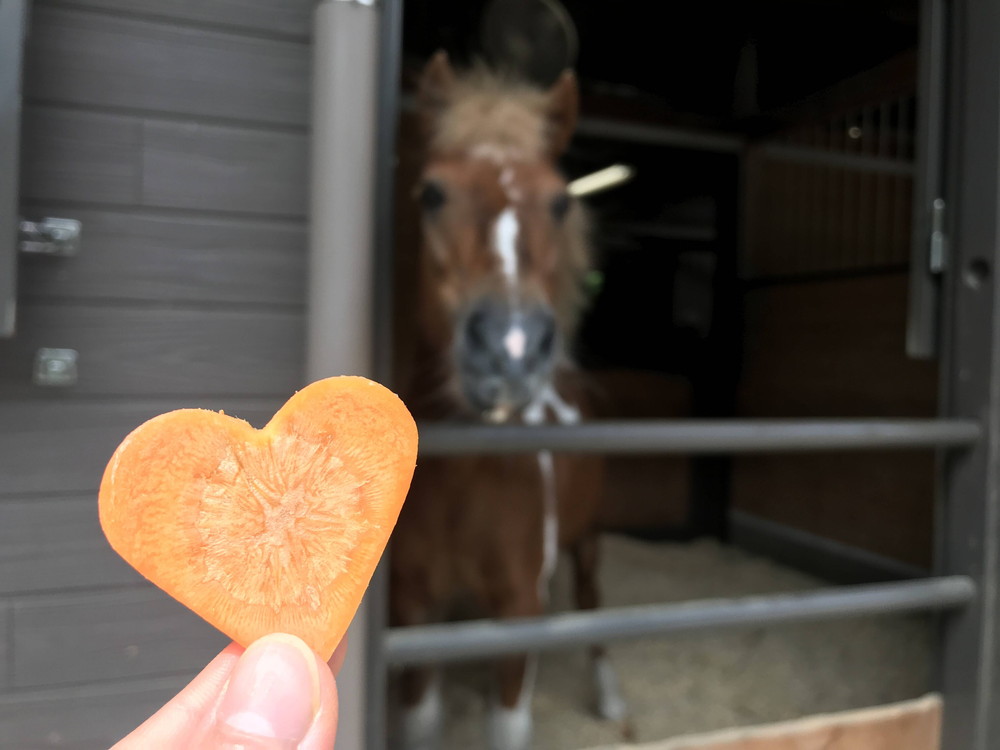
(703, 682)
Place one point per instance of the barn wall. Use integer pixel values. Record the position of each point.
(836, 348)
(829, 209)
(176, 132)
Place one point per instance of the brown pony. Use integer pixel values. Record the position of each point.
(495, 287)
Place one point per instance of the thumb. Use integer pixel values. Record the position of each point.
(280, 696)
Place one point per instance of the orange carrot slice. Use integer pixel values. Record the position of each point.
(271, 530)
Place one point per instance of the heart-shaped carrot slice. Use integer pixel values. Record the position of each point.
(271, 530)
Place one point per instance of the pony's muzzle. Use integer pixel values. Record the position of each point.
(505, 355)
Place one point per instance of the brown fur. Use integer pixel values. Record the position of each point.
(471, 531)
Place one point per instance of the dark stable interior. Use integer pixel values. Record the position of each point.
(700, 249)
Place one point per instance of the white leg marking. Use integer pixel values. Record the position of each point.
(565, 413)
(422, 723)
(511, 728)
(610, 701)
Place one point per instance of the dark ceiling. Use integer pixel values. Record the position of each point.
(683, 58)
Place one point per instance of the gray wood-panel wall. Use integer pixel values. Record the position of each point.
(176, 132)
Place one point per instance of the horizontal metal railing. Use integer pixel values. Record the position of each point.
(699, 436)
(488, 638)
(661, 135)
(480, 639)
(812, 156)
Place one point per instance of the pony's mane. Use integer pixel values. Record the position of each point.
(496, 109)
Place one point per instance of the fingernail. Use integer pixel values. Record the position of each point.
(273, 695)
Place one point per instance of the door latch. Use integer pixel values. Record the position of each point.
(50, 236)
(938, 257)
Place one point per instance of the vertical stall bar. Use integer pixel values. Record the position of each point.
(969, 522)
(340, 323)
(13, 16)
(390, 68)
(928, 182)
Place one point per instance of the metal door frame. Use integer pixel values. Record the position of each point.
(968, 519)
(965, 587)
(13, 28)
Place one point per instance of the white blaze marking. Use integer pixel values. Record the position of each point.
(505, 232)
(496, 153)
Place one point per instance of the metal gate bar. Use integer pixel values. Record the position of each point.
(426, 644)
(821, 157)
(700, 436)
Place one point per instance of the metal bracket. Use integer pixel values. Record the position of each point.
(938, 257)
(50, 236)
(55, 367)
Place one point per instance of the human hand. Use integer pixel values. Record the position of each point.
(275, 695)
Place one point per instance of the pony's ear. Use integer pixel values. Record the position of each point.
(563, 106)
(435, 87)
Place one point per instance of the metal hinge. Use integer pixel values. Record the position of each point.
(59, 237)
(937, 259)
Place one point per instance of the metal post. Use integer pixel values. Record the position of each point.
(427, 644)
(700, 437)
(340, 324)
(922, 328)
(390, 65)
(12, 22)
(969, 524)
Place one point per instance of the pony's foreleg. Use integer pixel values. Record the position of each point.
(609, 701)
(510, 724)
(422, 709)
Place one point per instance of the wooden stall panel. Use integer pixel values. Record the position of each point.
(192, 259)
(836, 349)
(79, 156)
(833, 348)
(913, 725)
(82, 718)
(102, 636)
(51, 544)
(288, 17)
(72, 155)
(148, 352)
(224, 169)
(4, 640)
(95, 59)
(54, 447)
(176, 132)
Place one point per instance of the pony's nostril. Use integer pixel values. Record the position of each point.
(477, 330)
(547, 339)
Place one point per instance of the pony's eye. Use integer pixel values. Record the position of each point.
(560, 206)
(431, 196)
